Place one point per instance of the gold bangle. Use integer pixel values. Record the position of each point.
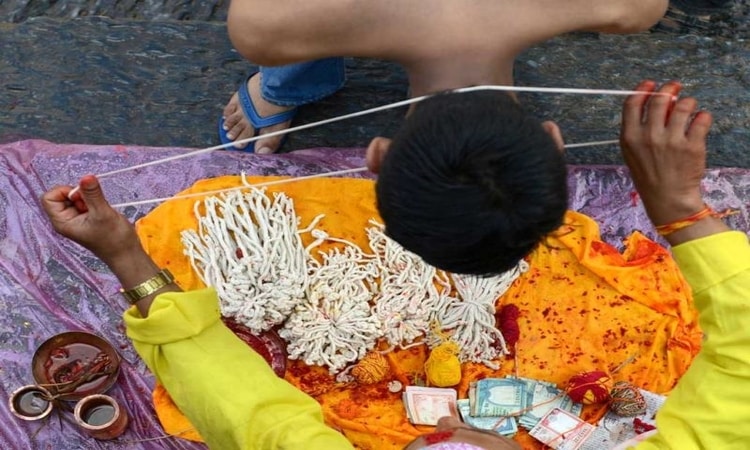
(148, 287)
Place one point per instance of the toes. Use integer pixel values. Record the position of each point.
(232, 107)
(239, 132)
(271, 144)
(267, 146)
(235, 120)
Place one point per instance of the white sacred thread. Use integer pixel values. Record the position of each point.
(470, 319)
(246, 185)
(547, 90)
(335, 325)
(293, 179)
(410, 289)
(247, 247)
(335, 308)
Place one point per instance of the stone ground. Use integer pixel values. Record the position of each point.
(157, 73)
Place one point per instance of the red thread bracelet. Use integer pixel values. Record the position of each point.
(677, 225)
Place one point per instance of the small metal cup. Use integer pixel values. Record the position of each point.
(101, 417)
(30, 402)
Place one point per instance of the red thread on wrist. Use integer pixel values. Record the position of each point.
(677, 225)
(438, 437)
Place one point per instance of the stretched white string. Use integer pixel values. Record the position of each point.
(548, 90)
(306, 177)
(592, 143)
(219, 191)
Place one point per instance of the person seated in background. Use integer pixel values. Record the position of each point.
(196, 357)
(268, 99)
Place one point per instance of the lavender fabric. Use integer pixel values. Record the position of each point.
(49, 285)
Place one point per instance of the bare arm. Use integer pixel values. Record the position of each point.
(664, 145)
(90, 221)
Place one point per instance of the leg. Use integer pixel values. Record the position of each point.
(275, 90)
(442, 43)
(302, 83)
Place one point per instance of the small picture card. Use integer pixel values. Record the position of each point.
(562, 430)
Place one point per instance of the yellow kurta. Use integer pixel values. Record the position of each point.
(710, 407)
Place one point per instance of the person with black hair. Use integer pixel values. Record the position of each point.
(471, 182)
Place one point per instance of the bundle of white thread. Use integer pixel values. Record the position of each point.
(410, 289)
(334, 325)
(470, 319)
(247, 247)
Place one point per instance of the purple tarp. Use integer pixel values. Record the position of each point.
(49, 285)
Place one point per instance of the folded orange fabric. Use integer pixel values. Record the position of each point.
(583, 306)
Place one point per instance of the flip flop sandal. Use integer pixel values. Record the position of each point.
(254, 118)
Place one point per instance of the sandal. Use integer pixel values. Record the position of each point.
(254, 118)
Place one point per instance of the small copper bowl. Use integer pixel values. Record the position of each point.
(30, 402)
(63, 360)
(101, 417)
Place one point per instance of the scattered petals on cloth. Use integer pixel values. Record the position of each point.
(583, 306)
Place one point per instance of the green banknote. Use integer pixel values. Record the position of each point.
(497, 397)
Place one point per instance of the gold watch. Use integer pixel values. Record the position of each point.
(148, 287)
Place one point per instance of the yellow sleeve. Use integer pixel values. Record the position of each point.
(710, 406)
(227, 390)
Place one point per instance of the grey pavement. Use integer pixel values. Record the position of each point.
(70, 77)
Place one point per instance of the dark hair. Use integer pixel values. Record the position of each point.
(472, 183)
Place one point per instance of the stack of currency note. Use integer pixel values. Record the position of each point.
(426, 405)
(496, 404)
(523, 398)
(505, 426)
(541, 398)
(497, 397)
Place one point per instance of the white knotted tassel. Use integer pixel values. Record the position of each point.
(470, 318)
(410, 289)
(335, 325)
(247, 247)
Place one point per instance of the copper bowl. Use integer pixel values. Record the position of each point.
(75, 364)
(30, 402)
(101, 417)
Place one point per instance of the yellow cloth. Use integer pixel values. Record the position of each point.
(710, 407)
(583, 305)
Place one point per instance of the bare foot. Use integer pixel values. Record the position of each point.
(238, 127)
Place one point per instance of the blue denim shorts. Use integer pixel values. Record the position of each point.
(298, 84)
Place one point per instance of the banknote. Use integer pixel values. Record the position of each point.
(561, 430)
(425, 405)
(505, 426)
(496, 397)
(530, 386)
(542, 397)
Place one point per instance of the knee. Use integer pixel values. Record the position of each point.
(254, 34)
(636, 16)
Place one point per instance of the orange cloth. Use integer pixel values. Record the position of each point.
(584, 306)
